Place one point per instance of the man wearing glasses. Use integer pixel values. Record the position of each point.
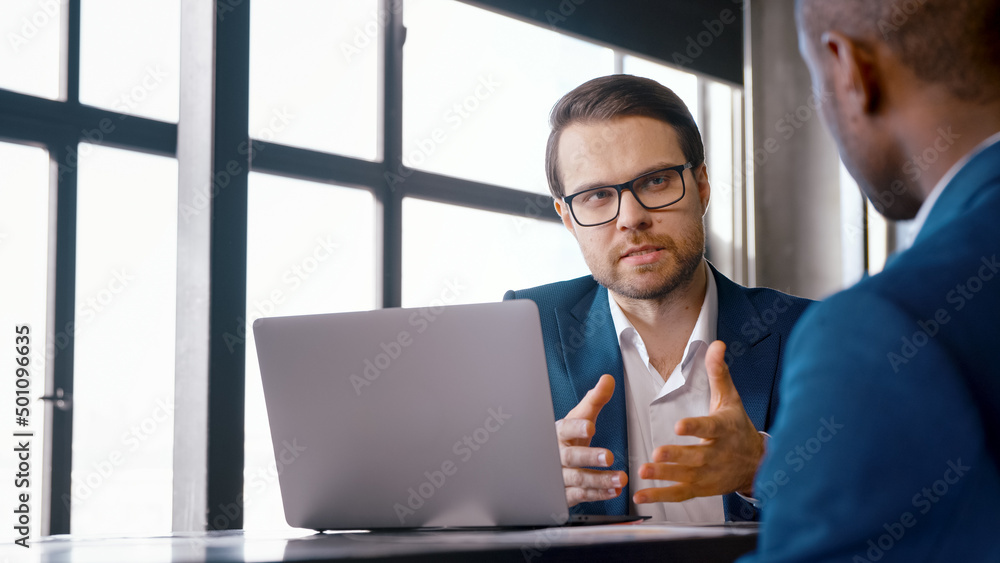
(666, 422)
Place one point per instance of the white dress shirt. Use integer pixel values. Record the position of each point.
(653, 406)
(925, 208)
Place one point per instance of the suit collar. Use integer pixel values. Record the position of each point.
(734, 309)
(590, 349)
(589, 343)
(752, 347)
(960, 193)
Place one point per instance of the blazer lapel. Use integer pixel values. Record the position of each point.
(589, 343)
(590, 349)
(751, 347)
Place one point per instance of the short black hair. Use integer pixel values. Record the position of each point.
(620, 95)
(951, 42)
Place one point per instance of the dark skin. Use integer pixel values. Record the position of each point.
(881, 115)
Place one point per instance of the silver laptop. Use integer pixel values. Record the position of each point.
(402, 418)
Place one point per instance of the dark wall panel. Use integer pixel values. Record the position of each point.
(701, 35)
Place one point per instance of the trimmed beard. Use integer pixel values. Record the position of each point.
(687, 257)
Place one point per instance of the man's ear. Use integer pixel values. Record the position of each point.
(700, 174)
(854, 71)
(563, 210)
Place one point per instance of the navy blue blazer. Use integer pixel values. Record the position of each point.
(887, 443)
(581, 345)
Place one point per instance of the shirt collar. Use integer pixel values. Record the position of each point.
(708, 318)
(925, 208)
(704, 331)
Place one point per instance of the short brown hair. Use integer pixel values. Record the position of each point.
(620, 95)
(949, 42)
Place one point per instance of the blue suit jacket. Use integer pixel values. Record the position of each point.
(581, 345)
(886, 444)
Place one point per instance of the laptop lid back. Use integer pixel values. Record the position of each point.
(391, 418)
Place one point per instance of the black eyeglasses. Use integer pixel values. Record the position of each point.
(655, 190)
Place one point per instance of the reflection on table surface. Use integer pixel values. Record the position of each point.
(635, 542)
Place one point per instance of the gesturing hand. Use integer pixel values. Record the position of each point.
(730, 451)
(574, 433)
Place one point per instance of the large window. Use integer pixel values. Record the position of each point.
(123, 400)
(314, 75)
(310, 249)
(480, 111)
(29, 53)
(384, 173)
(24, 241)
(454, 255)
(129, 58)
